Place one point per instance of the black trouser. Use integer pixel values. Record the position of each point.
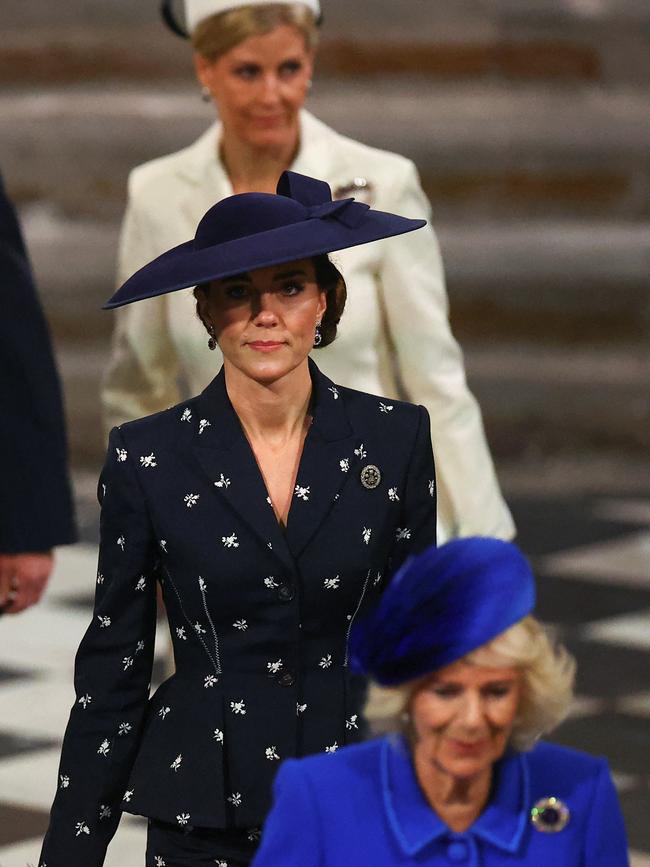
(174, 846)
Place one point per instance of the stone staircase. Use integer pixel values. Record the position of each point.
(529, 121)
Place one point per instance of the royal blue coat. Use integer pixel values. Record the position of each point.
(363, 806)
(259, 618)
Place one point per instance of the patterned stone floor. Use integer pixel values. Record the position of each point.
(592, 556)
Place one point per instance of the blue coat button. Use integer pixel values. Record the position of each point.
(285, 593)
(458, 851)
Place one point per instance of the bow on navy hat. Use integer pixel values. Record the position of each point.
(440, 606)
(256, 230)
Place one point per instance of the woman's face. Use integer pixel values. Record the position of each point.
(260, 86)
(265, 320)
(462, 717)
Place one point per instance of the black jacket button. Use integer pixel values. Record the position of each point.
(286, 593)
(287, 679)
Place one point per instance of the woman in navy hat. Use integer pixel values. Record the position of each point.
(255, 62)
(466, 682)
(269, 509)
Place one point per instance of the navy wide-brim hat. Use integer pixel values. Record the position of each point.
(440, 606)
(256, 230)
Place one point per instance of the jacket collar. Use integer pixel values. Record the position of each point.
(224, 453)
(415, 825)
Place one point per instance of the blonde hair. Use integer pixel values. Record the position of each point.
(217, 34)
(548, 672)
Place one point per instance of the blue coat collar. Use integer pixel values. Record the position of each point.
(416, 825)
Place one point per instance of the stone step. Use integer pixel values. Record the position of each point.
(483, 151)
(561, 40)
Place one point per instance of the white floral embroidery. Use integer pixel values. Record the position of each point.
(269, 501)
(191, 500)
(366, 533)
(332, 583)
(203, 424)
(142, 583)
(223, 482)
(105, 812)
(127, 662)
(334, 391)
(402, 533)
(175, 765)
(81, 828)
(302, 493)
(269, 546)
(345, 465)
(272, 754)
(100, 578)
(393, 496)
(383, 407)
(162, 713)
(230, 541)
(274, 667)
(180, 632)
(377, 579)
(209, 681)
(128, 795)
(242, 625)
(326, 661)
(235, 799)
(200, 630)
(158, 861)
(238, 707)
(121, 542)
(432, 487)
(122, 455)
(271, 583)
(202, 585)
(148, 460)
(124, 728)
(187, 414)
(104, 748)
(183, 818)
(361, 452)
(300, 708)
(163, 545)
(333, 748)
(352, 722)
(221, 863)
(253, 835)
(139, 647)
(85, 701)
(218, 736)
(104, 622)
(65, 781)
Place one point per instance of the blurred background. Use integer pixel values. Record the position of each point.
(529, 121)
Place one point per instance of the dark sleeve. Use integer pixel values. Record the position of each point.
(112, 674)
(35, 502)
(417, 529)
(606, 843)
(291, 835)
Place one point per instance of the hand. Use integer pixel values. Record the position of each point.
(23, 578)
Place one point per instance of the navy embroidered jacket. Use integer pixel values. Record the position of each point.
(259, 617)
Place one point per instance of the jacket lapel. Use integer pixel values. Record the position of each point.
(330, 457)
(223, 452)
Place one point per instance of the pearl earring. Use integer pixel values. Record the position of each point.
(206, 95)
(212, 341)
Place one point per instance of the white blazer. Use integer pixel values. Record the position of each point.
(394, 338)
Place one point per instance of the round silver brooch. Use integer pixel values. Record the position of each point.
(550, 815)
(370, 477)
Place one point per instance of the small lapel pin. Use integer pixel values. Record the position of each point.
(550, 815)
(358, 188)
(370, 477)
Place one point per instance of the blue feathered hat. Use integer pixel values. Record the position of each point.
(441, 605)
(256, 230)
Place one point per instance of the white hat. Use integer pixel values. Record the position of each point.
(197, 10)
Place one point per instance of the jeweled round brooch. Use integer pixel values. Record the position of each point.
(370, 476)
(550, 815)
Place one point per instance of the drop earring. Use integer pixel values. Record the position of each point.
(206, 95)
(318, 337)
(212, 340)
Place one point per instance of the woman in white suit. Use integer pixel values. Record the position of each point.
(255, 63)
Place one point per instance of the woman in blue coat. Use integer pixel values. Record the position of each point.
(466, 681)
(269, 508)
